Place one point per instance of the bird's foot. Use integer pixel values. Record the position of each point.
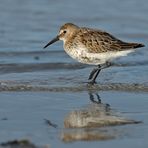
(92, 82)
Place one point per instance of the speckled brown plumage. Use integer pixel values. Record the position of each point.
(98, 41)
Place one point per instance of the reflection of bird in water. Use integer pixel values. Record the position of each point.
(84, 122)
(98, 100)
(91, 96)
(95, 114)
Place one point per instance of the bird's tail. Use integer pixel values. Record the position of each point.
(137, 45)
(131, 45)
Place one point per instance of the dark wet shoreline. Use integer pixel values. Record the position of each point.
(4, 86)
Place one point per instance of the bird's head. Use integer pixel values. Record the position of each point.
(65, 32)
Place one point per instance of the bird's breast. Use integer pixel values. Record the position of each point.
(79, 54)
(75, 53)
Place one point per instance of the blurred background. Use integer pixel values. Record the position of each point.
(28, 25)
(25, 28)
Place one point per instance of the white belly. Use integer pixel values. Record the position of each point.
(83, 56)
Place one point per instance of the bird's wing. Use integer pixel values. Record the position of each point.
(98, 41)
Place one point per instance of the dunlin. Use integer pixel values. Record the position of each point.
(92, 46)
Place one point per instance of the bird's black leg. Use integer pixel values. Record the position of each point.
(93, 81)
(107, 64)
(95, 74)
(96, 71)
(92, 73)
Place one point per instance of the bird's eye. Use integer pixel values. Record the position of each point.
(64, 31)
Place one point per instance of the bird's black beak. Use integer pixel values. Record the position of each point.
(52, 41)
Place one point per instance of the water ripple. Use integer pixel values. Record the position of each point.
(31, 67)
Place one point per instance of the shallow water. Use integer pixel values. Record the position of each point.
(37, 84)
(24, 115)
